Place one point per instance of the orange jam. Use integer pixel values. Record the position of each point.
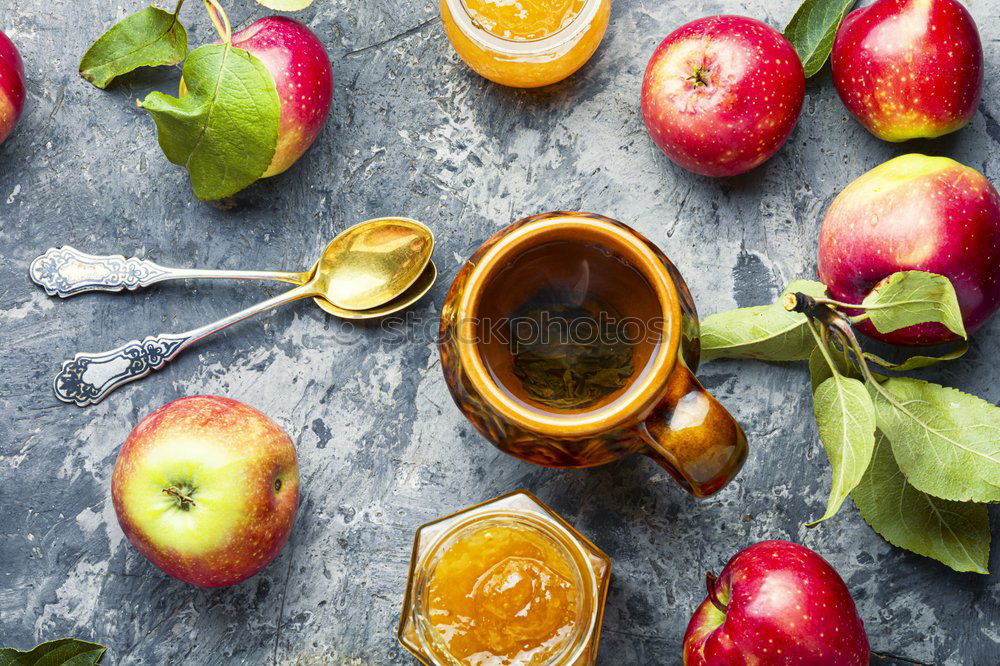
(525, 43)
(504, 594)
(523, 19)
(504, 583)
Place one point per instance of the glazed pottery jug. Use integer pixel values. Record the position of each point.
(660, 410)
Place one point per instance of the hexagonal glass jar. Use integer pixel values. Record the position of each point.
(520, 509)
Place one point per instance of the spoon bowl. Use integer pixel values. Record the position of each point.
(372, 263)
(414, 293)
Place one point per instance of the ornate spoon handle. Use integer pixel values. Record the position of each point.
(65, 271)
(86, 379)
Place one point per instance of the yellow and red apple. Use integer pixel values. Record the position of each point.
(909, 69)
(722, 94)
(303, 76)
(207, 488)
(776, 603)
(11, 86)
(915, 213)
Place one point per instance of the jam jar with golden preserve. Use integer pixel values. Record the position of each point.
(504, 582)
(525, 43)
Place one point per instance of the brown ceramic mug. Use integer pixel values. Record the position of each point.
(659, 409)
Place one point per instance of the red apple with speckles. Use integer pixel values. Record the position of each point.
(909, 69)
(915, 213)
(206, 488)
(722, 94)
(776, 603)
(301, 70)
(11, 86)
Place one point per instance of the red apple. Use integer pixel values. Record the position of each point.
(722, 94)
(301, 70)
(915, 213)
(11, 86)
(207, 489)
(776, 603)
(909, 69)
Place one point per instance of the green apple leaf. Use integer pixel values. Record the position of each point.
(914, 297)
(813, 29)
(918, 362)
(61, 652)
(147, 38)
(286, 5)
(762, 332)
(954, 533)
(224, 131)
(819, 369)
(946, 442)
(845, 417)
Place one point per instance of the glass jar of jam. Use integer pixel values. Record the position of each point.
(525, 43)
(507, 582)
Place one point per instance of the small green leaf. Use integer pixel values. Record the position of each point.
(954, 533)
(813, 29)
(762, 332)
(946, 442)
(918, 362)
(845, 417)
(286, 5)
(147, 38)
(61, 652)
(819, 369)
(914, 297)
(225, 130)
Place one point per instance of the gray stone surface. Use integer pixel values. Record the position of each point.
(382, 447)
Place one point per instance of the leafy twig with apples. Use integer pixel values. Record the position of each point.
(909, 253)
(919, 460)
(249, 105)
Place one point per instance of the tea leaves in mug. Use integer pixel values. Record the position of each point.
(946, 442)
(954, 533)
(914, 297)
(763, 332)
(845, 417)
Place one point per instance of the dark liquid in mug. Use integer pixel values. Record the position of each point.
(568, 326)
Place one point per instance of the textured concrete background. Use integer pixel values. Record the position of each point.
(382, 447)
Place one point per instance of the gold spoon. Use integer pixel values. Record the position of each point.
(379, 265)
(365, 249)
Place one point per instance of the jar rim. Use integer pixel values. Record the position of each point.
(486, 40)
(577, 556)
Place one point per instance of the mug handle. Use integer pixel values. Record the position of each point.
(692, 436)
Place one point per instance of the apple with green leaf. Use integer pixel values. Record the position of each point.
(299, 69)
(915, 213)
(207, 488)
(909, 69)
(303, 76)
(11, 86)
(776, 603)
(249, 105)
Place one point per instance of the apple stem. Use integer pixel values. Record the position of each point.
(220, 20)
(177, 9)
(697, 78)
(710, 579)
(816, 308)
(185, 500)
